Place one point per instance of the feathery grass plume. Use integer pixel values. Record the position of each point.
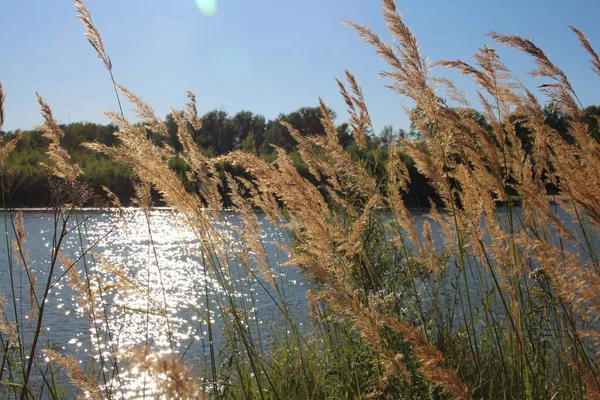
(432, 362)
(85, 295)
(191, 111)
(251, 233)
(452, 92)
(359, 100)
(575, 282)
(317, 167)
(132, 290)
(115, 202)
(410, 70)
(32, 297)
(143, 197)
(20, 227)
(89, 385)
(61, 166)
(263, 200)
(295, 191)
(7, 327)
(95, 39)
(283, 182)
(91, 33)
(368, 323)
(588, 47)
(201, 168)
(357, 109)
(145, 112)
(117, 119)
(174, 379)
(561, 91)
(492, 75)
(445, 226)
(7, 147)
(137, 151)
(352, 246)
(398, 180)
(351, 175)
(322, 170)
(149, 164)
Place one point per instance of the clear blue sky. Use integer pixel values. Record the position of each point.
(266, 56)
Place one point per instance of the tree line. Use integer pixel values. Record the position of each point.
(26, 182)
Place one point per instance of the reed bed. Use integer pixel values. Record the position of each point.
(502, 302)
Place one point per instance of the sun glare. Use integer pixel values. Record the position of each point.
(207, 7)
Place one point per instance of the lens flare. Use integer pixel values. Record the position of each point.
(207, 7)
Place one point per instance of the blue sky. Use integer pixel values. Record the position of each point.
(266, 56)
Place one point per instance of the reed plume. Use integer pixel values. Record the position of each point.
(491, 294)
(61, 165)
(89, 386)
(588, 47)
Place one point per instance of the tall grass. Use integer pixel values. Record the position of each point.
(502, 302)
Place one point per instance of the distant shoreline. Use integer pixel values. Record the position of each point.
(552, 199)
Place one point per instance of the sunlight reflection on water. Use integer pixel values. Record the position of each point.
(153, 271)
(157, 292)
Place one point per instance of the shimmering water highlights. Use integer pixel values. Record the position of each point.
(154, 293)
(156, 289)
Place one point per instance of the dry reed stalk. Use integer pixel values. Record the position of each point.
(22, 259)
(147, 161)
(132, 289)
(61, 166)
(6, 148)
(588, 47)
(117, 119)
(116, 203)
(353, 245)
(86, 383)
(201, 169)
(143, 197)
(398, 180)
(2, 100)
(350, 176)
(265, 201)
(432, 362)
(368, 321)
(92, 34)
(145, 112)
(591, 382)
(86, 296)
(114, 199)
(173, 378)
(251, 234)
(360, 120)
(8, 327)
(561, 91)
(191, 111)
(317, 167)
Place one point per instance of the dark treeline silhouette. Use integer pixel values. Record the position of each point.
(27, 183)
